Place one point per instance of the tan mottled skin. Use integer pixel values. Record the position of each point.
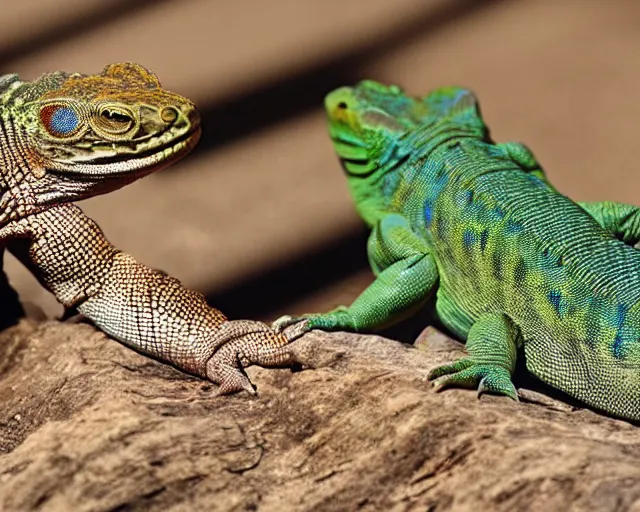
(67, 137)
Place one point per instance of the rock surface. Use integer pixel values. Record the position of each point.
(88, 425)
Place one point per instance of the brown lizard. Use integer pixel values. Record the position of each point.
(66, 137)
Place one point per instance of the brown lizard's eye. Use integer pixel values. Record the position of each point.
(115, 117)
(115, 120)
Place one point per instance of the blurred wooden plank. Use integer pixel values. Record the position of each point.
(28, 19)
(207, 49)
(554, 75)
(561, 77)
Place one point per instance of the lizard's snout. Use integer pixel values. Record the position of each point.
(190, 112)
(338, 100)
(185, 114)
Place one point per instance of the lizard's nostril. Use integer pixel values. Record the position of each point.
(169, 114)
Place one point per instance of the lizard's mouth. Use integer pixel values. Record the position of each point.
(353, 155)
(130, 158)
(349, 149)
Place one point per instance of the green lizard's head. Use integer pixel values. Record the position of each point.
(376, 128)
(78, 135)
(369, 123)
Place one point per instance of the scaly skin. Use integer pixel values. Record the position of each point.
(66, 137)
(513, 263)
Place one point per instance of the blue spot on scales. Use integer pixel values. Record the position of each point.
(555, 299)
(618, 349)
(513, 228)
(64, 120)
(428, 213)
(469, 238)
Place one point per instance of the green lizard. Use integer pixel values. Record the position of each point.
(511, 263)
(66, 137)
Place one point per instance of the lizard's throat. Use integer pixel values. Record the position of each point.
(73, 182)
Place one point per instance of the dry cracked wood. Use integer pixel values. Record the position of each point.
(89, 425)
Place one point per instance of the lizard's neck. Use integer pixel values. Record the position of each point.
(428, 138)
(17, 174)
(370, 204)
(390, 187)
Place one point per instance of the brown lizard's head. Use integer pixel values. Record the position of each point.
(77, 135)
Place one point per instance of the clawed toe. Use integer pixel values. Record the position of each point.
(464, 373)
(498, 383)
(296, 329)
(230, 379)
(280, 324)
(228, 387)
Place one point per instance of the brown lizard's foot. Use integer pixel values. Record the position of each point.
(250, 343)
(226, 366)
(225, 370)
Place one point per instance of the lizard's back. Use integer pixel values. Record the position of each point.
(506, 242)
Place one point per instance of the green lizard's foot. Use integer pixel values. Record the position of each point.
(280, 324)
(336, 320)
(339, 319)
(466, 373)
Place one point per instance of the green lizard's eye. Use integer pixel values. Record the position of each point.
(343, 105)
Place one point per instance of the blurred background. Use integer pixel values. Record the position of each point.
(258, 218)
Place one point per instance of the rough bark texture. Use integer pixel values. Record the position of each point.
(88, 425)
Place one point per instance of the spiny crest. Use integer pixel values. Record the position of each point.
(117, 82)
(451, 102)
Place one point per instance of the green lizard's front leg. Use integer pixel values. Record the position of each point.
(405, 274)
(622, 220)
(492, 345)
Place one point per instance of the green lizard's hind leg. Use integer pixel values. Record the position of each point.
(492, 346)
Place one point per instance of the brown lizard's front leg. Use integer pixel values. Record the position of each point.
(139, 306)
